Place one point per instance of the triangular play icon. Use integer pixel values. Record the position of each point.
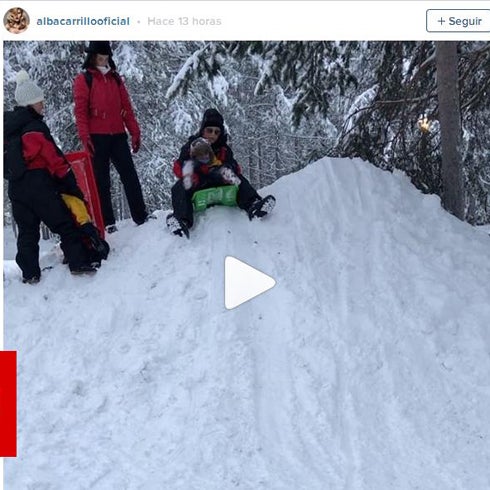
(243, 282)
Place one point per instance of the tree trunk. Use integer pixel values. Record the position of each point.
(260, 176)
(450, 123)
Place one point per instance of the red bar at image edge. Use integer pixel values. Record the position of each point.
(8, 403)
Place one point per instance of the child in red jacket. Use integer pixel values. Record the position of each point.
(37, 171)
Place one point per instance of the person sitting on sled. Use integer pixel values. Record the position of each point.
(199, 168)
(38, 172)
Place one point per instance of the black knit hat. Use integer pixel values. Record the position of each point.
(212, 118)
(99, 47)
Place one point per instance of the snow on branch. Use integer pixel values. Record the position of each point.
(266, 67)
(185, 73)
(361, 102)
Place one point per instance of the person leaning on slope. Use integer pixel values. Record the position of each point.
(36, 169)
(103, 112)
(197, 168)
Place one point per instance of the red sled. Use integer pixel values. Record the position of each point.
(82, 168)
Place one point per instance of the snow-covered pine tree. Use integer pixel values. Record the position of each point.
(345, 99)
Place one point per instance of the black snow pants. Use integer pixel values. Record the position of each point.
(34, 199)
(115, 148)
(182, 198)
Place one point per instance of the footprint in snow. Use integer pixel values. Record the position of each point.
(200, 294)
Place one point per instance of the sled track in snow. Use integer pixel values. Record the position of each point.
(366, 366)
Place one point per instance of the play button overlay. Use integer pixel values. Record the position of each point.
(243, 282)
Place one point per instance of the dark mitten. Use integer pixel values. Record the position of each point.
(68, 185)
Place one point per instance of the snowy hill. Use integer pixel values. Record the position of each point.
(366, 367)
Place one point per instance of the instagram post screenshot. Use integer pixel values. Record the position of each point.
(246, 245)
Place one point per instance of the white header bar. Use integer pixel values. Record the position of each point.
(245, 20)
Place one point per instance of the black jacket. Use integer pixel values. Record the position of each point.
(15, 124)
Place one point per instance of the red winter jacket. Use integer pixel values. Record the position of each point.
(39, 152)
(104, 108)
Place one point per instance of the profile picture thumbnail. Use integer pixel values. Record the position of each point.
(16, 20)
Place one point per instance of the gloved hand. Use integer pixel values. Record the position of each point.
(68, 185)
(88, 146)
(228, 176)
(189, 176)
(135, 143)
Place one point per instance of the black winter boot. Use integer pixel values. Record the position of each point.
(101, 247)
(176, 226)
(261, 207)
(31, 280)
(83, 269)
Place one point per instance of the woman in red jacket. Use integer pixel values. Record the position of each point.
(103, 113)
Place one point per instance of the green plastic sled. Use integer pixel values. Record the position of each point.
(225, 195)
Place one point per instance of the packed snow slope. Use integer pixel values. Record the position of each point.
(366, 367)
